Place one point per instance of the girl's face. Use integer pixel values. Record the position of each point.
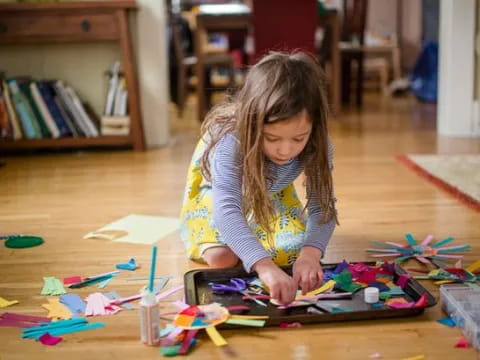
(284, 140)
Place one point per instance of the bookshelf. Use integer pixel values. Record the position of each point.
(89, 21)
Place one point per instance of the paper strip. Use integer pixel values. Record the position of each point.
(246, 322)
(4, 302)
(217, 339)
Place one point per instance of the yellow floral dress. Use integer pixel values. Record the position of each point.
(198, 231)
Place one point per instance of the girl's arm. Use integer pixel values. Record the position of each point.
(227, 204)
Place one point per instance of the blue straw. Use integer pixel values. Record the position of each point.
(152, 269)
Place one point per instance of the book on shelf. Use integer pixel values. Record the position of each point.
(24, 112)
(5, 128)
(42, 107)
(12, 115)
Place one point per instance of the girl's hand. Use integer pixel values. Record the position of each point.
(307, 271)
(282, 287)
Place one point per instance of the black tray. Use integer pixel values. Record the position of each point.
(198, 292)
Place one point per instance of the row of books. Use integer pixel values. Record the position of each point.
(32, 109)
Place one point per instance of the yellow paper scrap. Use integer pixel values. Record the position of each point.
(473, 267)
(57, 310)
(441, 282)
(4, 303)
(417, 357)
(215, 336)
(327, 286)
(251, 317)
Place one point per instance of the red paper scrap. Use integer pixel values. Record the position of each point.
(462, 343)
(72, 280)
(290, 325)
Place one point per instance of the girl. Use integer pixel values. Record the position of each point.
(240, 202)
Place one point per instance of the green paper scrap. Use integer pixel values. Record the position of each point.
(443, 242)
(340, 310)
(246, 322)
(384, 295)
(104, 283)
(52, 286)
(344, 281)
(410, 239)
(396, 290)
(170, 350)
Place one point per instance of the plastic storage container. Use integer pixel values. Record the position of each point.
(462, 303)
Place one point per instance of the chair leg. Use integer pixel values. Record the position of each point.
(346, 78)
(359, 87)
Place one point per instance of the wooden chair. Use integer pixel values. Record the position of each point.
(352, 34)
(185, 66)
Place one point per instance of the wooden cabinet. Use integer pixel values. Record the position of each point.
(87, 21)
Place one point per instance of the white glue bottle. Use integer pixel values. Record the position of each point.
(149, 319)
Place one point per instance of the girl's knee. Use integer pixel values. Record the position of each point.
(220, 257)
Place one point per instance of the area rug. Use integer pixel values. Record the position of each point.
(459, 175)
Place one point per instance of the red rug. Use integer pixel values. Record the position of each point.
(453, 190)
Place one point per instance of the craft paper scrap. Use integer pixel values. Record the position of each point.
(60, 327)
(74, 303)
(447, 321)
(112, 295)
(71, 280)
(52, 286)
(217, 339)
(99, 304)
(462, 343)
(104, 283)
(131, 265)
(47, 339)
(57, 310)
(140, 229)
(4, 302)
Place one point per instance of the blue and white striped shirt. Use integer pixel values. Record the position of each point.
(234, 230)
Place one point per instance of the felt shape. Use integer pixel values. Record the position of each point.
(52, 286)
(344, 281)
(131, 265)
(71, 280)
(99, 304)
(23, 241)
(74, 303)
(47, 339)
(462, 343)
(379, 285)
(325, 287)
(57, 310)
(185, 346)
(447, 321)
(403, 280)
(284, 325)
(4, 302)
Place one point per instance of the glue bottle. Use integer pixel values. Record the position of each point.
(149, 319)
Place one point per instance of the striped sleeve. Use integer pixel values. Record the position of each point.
(227, 204)
(318, 235)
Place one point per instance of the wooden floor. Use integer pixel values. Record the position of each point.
(63, 196)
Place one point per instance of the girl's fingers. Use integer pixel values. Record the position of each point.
(312, 284)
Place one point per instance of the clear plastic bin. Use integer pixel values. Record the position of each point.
(462, 303)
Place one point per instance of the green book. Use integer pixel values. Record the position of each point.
(25, 89)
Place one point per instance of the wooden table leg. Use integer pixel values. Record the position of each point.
(335, 86)
(200, 34)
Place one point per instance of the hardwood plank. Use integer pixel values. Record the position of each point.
(63, 196)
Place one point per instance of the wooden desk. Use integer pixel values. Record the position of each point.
(332, 19)
(206, 22)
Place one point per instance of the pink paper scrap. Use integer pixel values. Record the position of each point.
(47, 339)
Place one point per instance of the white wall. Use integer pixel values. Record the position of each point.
(456, 115)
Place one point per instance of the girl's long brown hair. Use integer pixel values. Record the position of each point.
(278, 87)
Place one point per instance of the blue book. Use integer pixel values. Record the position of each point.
(49, 97)
(25, 114)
